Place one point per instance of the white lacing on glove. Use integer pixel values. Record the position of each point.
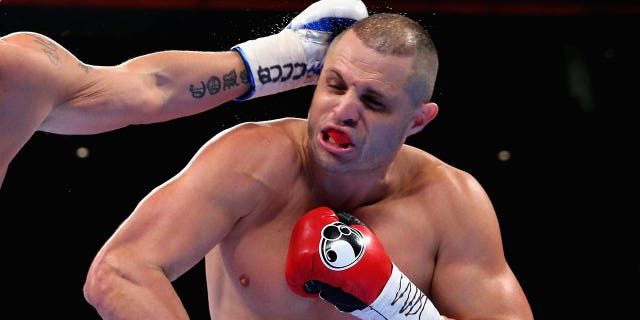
(399, 300)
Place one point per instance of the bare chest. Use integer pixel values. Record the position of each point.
(246, 272)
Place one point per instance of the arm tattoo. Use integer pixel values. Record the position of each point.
(230, 80)
(244, 77)
(49, 48)
(84, 67)
(215, 84)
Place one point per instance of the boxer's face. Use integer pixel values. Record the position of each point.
(360, 114)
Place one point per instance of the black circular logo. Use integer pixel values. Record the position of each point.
(341, 246)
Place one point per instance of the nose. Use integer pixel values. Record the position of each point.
(348, 109)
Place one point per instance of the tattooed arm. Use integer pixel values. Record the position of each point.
(44, 87)
(86, 99)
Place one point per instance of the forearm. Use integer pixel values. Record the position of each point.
(118, 292)
(190, 82)
(142, 305)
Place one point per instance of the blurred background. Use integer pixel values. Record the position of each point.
(536, 101)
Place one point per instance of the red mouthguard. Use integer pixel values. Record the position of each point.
(339, 137)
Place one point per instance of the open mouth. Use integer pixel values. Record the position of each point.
(337, 137)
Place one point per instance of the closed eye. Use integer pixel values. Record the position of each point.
(373, 103)
(337, 86)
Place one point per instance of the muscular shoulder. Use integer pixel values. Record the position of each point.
(267, 138)
(454, 189)
(261, 149)
(455, 200)
(37, 62)
(243, 167)
(281, 126)
(29, 51)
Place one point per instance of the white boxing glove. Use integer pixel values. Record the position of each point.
(294, 57)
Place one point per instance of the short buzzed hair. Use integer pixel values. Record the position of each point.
(395, 34)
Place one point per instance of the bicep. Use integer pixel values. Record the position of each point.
(472, 277)
(470, 290)
(184, 218)
(179, 222)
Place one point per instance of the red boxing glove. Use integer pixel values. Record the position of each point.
(325, 249)
(335, 256)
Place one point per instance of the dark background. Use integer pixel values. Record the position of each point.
(554, 86)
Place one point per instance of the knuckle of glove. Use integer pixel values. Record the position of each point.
(328, 9)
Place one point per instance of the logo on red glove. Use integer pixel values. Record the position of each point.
(341, 246)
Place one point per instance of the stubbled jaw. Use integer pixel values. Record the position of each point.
(337, 137)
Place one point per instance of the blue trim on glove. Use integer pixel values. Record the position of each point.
(253, 84)
(333, 25)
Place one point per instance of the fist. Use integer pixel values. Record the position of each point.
(317, 25)
(336, 256)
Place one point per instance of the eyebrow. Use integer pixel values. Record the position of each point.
(367, 91)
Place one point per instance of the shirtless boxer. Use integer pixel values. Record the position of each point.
(44, 87)
(255, 198)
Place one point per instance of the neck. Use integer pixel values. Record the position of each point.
(347, 191)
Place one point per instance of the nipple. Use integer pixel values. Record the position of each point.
(244, 280)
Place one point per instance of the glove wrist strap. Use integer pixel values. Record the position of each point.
(275, 63)
(400, 299)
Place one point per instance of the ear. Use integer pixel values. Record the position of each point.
(427, 112)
